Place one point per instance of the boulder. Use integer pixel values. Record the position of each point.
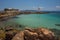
(8, 28)
(10, 32)
(30, 35)
(35, 34)
(30, 29)
(19, 36)
(45, 34)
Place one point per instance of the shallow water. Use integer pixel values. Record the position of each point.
(36, 20)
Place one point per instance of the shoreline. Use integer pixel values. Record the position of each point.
(13, 12)
(7, 32)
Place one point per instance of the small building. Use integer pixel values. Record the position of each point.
(11, 11)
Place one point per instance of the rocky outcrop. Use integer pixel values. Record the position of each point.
(45, 34)
(10, 32)
(35, 34)
(30, 35)
(19, 36)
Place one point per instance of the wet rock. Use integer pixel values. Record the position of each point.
(57, 24)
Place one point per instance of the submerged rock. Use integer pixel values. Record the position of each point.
(35, 34)
(57, 24)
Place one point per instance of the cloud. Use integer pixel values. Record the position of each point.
(58, 7)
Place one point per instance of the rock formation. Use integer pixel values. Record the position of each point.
(2, 35)
(35, 34)
(19, 36)
(10, 32)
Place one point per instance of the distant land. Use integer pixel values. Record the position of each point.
(40, 11)
(10, 12)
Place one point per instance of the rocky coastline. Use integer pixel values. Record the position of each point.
(7, 13)
(10, 33)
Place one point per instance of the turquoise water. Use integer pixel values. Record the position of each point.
(37, 20)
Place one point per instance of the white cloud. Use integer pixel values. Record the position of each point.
(57, 6)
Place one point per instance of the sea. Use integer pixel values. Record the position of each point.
(49, 20)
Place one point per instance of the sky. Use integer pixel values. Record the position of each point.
(44, 5)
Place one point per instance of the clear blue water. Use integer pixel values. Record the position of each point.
(37, 20)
